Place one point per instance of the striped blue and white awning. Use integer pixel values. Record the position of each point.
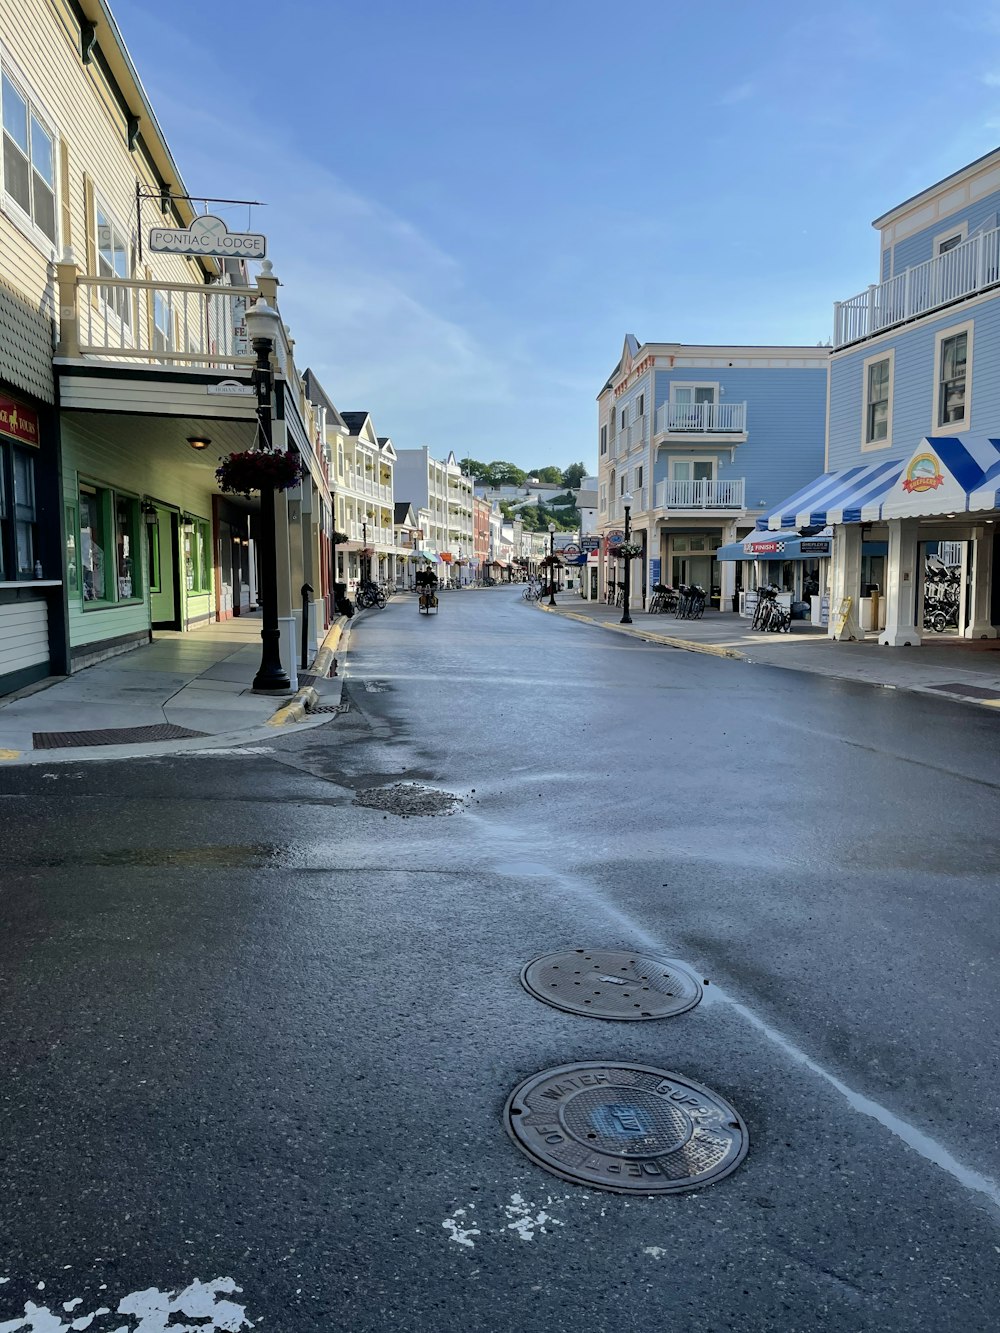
(854, 495)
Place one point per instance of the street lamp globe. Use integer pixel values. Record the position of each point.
(552, 527)
(627, 500)
(263, 321)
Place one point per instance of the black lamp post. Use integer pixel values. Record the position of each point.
(263, 327)
(552, 564)
(627, 504)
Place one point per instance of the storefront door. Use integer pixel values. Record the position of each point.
(691, 569)
(164, 579)
(944, 587)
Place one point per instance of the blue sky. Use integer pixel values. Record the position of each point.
(470, 204)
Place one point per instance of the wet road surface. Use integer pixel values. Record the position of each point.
(257, 1039)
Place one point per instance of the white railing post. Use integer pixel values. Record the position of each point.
(908, 293)
(838, 328)
(870, 312)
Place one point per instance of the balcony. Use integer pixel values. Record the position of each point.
(125, 319)
(969, 267)
(376, 536)
(700, 495)
(701, 419)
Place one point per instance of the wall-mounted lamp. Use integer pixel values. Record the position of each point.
(148, 512)
(187, 522)
(198, 441)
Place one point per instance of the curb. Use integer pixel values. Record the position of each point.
(649, 636)
(305, 699)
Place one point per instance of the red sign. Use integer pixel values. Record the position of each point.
(18, 422)
(762, 548)
(923, 474)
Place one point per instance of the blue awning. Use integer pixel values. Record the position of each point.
(778, 546)
(853, 495)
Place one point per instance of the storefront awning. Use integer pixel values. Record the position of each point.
(945, 474)
(778, 546)
(853, 495)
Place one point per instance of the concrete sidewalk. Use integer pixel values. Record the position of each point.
(967, 670)
(187, 691)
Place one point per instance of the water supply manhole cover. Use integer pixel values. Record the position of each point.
(627, 1128)
(611, 983)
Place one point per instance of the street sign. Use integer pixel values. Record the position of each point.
(615, 538)
(590, 544)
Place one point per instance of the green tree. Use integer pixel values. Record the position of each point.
(473, 467)
(574, 475)
(505, 474)
(553, 475)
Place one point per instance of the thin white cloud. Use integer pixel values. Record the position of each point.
(742, 92)
(991, 79)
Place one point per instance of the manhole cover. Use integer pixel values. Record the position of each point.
(610, 983)
(408, 798)
(627, 1128)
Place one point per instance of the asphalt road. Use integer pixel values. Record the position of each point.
(257, 1037)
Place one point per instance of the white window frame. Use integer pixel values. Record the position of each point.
(867, 446)
(960, 229)
(123, 328)
(692, 458)
(694, 384)
(640, 405)
(952, 427)
(23, 221)
(604, 496)
(604, 438)
(623, 416)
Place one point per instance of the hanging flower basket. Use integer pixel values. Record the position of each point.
(551, 562)
(366, 552)
(338, 538)
(242, 474)
(627, 550)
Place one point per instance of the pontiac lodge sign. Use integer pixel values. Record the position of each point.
(209, 237)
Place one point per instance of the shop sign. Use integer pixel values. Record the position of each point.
(208, 237)
(570, 548)
(815, 548)
(771, 547)
(923, 474)
(590, 544)
(18, 422)
(615, 538)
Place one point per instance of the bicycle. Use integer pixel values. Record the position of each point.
(369, 594)
(664, 599)
(690, 602)
(532, 592)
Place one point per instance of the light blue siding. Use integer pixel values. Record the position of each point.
(786, 414)
(629, 399)
(913, 386)
(920, 246)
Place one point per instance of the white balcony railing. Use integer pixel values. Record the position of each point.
(700, 494)
(702, 418)
(967, 268)
(188, 323)
(377, 536)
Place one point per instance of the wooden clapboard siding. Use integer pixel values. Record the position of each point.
(168, 395)
(40, 40)
(24, 635)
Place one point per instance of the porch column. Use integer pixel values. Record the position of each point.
(901, 585)
(286, 617)
(981, 626)
(727, 569)
(845, 581)
(69, 329)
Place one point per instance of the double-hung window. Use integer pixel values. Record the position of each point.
(29, 158)
(604, 439)
(109, 552)
(113, 262)
(952, 378)
(18, 516)
(878, 379)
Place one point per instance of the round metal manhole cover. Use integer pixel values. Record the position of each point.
(611, 983)
(627, 1128)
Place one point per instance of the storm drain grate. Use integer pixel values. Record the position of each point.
(611, 983)
(627, 1128)
(163, 731)
(970, 691)
(331, 708)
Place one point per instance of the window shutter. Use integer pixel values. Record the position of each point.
(66, 204)
(148, 275)
(90, 222)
